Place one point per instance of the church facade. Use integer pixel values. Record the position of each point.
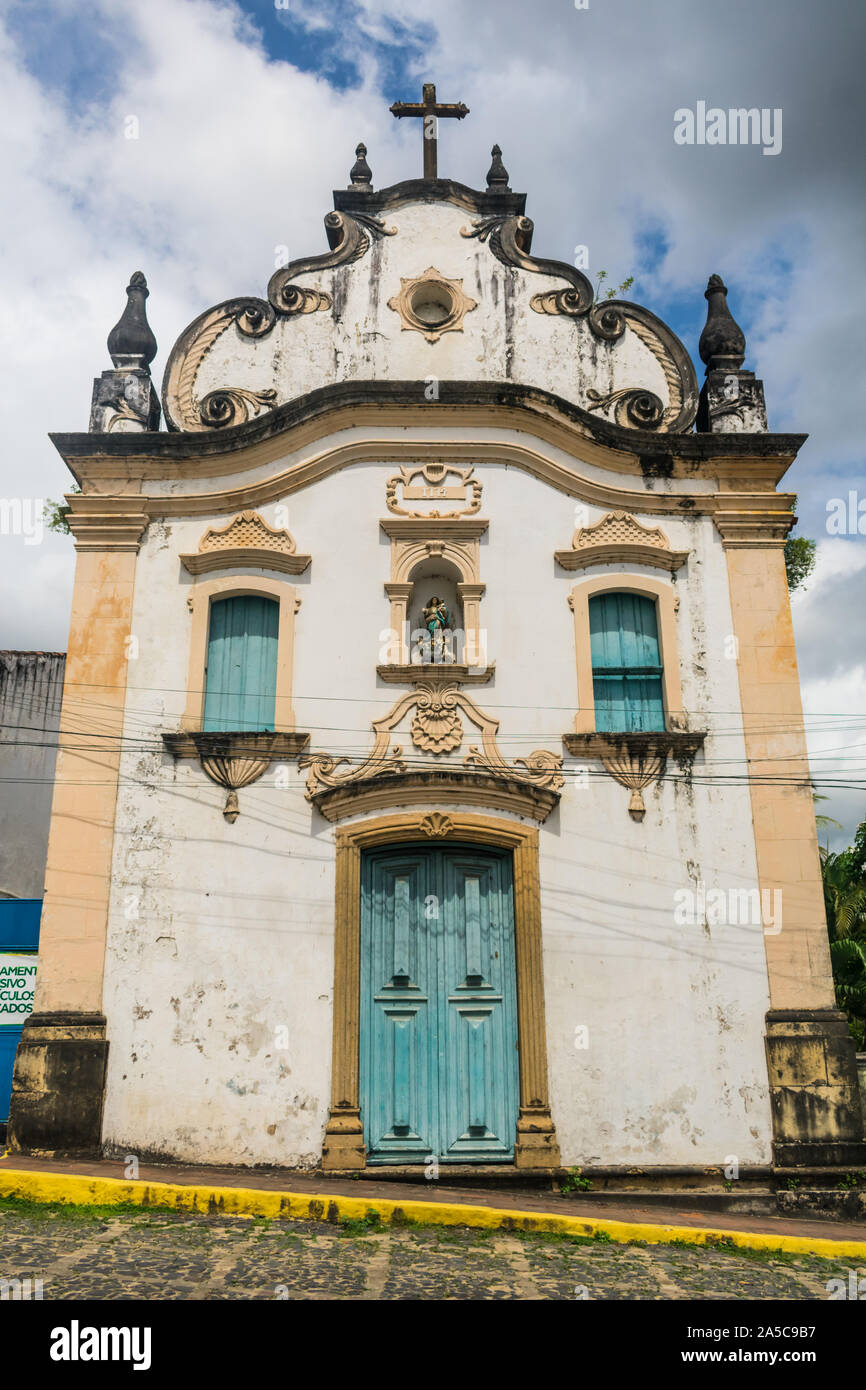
(433, 781)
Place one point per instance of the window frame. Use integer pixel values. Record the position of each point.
(604, 676)
(200, 598)
(663, 594)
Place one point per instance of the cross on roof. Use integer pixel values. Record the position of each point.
(429, 109)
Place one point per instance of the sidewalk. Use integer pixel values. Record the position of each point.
(286, 1194)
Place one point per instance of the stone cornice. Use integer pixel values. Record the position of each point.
(747, 527)
(411, 672)
(109, 523)
(249, 557)
(210, 453)
(436, 787)
(434, 528)
(767, 509)
(481, 201)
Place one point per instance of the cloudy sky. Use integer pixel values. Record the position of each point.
(247, 115)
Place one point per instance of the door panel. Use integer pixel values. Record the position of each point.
(395, 1062)
(480, 1010)
(438, 1054)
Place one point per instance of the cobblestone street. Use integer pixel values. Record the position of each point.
(80, 1254)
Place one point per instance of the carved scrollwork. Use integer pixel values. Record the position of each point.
(434, 488)
(295, 299)
(510, 237)
(375, 226)
(544, 767)
(483, 228)
(349, 238)
(233, 405)
(567, 301)
(435, 729)
(321, 769)
(255, 318)
(606, 322)
(633, 406)
(122, 411)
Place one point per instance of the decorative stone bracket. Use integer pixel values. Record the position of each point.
(636, 760)
(234, 760)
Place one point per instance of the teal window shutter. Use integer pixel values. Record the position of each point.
(241, 680)
(626, 667)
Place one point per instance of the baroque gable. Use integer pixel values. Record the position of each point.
(453, 266)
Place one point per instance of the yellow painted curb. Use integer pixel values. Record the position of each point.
(246, 1201)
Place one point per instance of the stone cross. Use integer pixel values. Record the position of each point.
(429, 109)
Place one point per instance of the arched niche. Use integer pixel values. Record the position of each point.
(425, 553)
(435, 577)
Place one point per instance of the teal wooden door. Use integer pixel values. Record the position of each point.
(438, 1047)
(241, 683)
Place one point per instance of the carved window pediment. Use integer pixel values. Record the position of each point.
(619, 537)
(246, 540)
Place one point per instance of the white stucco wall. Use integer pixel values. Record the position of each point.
(222, 935)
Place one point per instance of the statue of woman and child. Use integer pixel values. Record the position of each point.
(438, 621)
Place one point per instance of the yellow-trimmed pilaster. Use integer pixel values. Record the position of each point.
(810, 1054)
(60, 1065)
(786, 842)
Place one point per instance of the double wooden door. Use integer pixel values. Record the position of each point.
(438, 1046)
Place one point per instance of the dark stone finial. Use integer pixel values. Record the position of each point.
(722, 343)
(497, 174)
(131, 342)
(361, 174)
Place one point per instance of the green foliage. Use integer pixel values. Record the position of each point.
(352, 1226)
(56, 514)
(844, 878)
(574, 1182)
(799, 560)
(611, 294)
(799, 557)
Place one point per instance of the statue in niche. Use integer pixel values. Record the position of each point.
(436, 641)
